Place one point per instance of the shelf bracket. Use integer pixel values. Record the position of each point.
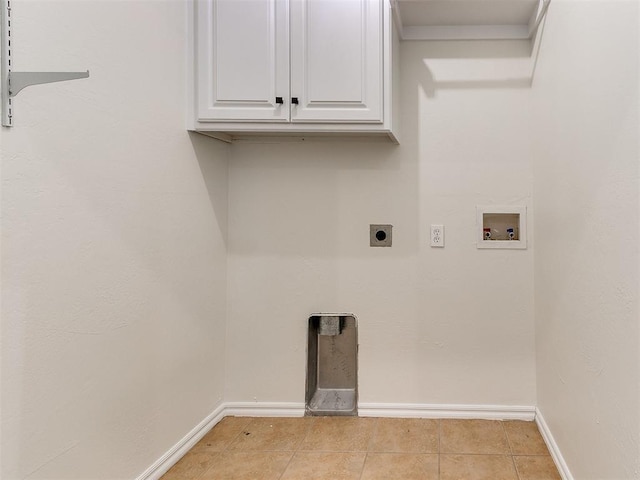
(13, 82)
(20, 80)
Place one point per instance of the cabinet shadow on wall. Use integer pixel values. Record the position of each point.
(213, 159)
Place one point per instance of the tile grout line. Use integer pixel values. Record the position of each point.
(286, 467)
(399, 452)
(252, 419)
(370, 445)
(439, 445)
(211, 467)
(373, 434)
(297, 449)
(226, 448)
(366, 456)
(306, 434)
(513, 461)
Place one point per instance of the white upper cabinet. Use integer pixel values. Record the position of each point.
(293, 66)
(243, 60)
(336, 60)
(324, 67)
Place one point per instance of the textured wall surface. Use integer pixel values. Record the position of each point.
(113, 246)
(452, 325)
(114, 275)
(587, 235)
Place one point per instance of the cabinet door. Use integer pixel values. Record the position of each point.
(336, 60)
(242, 60)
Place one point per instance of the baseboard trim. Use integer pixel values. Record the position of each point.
(264, 409)
(558, 459)
(417, 410)
(175, 453)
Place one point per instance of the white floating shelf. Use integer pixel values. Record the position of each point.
(469, 19)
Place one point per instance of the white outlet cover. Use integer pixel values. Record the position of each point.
(437, 236)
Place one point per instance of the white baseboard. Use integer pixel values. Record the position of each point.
(418, 410)
(175, 453)
(407, 410)
(553, 447)
(264, 409)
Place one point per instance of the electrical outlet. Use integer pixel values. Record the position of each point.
(437, 235)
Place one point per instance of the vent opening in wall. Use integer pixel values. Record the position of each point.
(502, 227)
(332, 365)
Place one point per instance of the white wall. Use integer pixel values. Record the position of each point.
(114, 226)
(113, 246)
(452, 325)
(587, 236)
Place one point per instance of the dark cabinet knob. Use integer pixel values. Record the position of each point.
(294, 100)
(279, 100)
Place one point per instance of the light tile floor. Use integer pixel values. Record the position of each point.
(353, 448)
